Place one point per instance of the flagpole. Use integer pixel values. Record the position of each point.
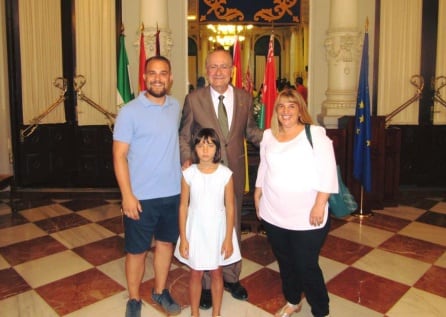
(362, 141)
(360, 213)
(157, 41)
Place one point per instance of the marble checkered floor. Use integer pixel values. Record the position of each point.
(62, 255)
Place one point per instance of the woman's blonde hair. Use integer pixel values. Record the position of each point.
(290, 95)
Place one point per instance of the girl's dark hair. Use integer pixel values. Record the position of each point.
(207, 134)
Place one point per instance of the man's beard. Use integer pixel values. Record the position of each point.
(159, 94)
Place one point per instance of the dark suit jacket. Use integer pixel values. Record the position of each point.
(198, 112)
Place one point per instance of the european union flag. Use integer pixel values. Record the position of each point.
(362, 167)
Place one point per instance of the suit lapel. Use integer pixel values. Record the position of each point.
(208, 108)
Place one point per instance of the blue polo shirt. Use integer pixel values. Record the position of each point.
(151, 131)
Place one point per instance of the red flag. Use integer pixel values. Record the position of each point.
(237, 65)
(269, 92)
(157, 42)
(237, 81)
(249, 87)
(142, 61)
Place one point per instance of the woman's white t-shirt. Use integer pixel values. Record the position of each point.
(291, 174)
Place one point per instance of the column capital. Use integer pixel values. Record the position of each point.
(343, 46)
(165, 39)
(154, 17)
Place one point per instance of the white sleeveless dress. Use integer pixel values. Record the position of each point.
(206, 220)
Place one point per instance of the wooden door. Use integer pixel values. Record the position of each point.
(55, 154)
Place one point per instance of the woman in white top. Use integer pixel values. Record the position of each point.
(293, 184)
(207, 239)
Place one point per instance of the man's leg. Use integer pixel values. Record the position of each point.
(166, 234)
(231, 273)
(206, 296)
(161, 265)
(134, 271)
(162, 259)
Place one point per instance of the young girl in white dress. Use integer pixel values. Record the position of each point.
(207, 236)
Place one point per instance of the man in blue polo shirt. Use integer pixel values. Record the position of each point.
(147, 167)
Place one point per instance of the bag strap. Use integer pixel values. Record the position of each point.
(308, 133)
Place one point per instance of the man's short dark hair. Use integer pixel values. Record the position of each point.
(158, 58)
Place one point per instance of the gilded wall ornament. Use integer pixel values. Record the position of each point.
(276, 13)
(221, 12)
(281, 12)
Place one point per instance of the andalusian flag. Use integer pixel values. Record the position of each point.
(125, 93)
(261, 117)
(269, 92)
(362, 166)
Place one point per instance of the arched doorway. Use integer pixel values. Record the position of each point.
(260, 52)
(192, 52)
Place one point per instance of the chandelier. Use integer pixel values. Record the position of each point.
(225, 34)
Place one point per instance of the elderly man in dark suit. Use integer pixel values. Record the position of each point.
(229, 111)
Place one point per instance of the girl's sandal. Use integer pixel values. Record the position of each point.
(288, 310)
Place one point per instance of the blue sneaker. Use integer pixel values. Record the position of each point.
(166, 302)
(133, 308)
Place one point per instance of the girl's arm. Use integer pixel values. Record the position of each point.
(182, 217)
(227, 248)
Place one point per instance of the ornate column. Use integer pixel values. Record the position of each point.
(295, 56)
(246, 54)
(343, 48)
(306, 36)
(203, 50)
(155, 17)
(287, 72)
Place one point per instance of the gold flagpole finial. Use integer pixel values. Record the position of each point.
(142, 27)
(122, 28)
(367, 25)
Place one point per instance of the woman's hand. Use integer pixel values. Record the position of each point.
(318, 210)
(317, 216)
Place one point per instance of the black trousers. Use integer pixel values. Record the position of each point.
(297, 253)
